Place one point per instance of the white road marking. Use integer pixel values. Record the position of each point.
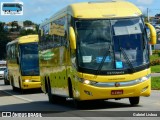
(25, 99)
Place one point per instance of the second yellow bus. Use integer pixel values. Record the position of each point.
(23, 62)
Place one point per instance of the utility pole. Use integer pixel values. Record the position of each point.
(148, 14)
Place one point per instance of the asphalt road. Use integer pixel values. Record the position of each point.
(36, 101)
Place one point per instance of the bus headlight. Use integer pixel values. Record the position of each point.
(144, 78)
(27, 80)
(88, 82)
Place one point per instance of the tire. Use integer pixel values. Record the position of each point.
(50, 96)
(78, 104)
(6, 82)
(12, 84)
(20, 88)
(134, 100)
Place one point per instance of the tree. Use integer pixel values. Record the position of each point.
(28, 23)
(3, 41)
(158, 22)
(157, 15)
(27, 32)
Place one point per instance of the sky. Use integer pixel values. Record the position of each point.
(39, 10)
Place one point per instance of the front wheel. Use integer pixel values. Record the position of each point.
(134, 100)
(78, 104)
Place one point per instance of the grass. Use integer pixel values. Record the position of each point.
(155, 83)
(155, 69)
(154, 57)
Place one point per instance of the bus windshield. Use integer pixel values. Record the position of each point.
(29, 59)
(111, 44)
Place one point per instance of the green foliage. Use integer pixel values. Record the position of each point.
(155, 83)
(155, 69)
(158, 22)
(28, 23)
(27, 32)
(155, 58)
(3, 41)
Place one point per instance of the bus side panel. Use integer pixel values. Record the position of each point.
(13, 67)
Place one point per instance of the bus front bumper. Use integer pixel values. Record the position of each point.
(89, 92)
(31, 85)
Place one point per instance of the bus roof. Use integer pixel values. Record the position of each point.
(111, 9)
(103, 9)
(25, 39)
(98, 10)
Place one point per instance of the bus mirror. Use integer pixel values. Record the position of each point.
(72, 38)
(153, 36)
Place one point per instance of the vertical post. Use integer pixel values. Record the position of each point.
(148, 14)
(150, 46)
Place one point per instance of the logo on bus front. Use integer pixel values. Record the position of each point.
(11, 8)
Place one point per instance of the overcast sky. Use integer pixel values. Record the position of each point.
(39, 10)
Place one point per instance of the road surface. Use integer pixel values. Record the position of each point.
(36, 101)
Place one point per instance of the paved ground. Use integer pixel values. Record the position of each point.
(155, 74)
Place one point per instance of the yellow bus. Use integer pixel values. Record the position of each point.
(23, 62)
(96, 51)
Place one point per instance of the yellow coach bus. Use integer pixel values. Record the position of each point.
(96, 50)
(23, 62)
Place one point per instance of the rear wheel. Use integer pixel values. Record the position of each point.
(50, 96)
(20, 87)
(6, 82)
(12, 84)
(134, 100)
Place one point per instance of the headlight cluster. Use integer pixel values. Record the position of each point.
(88, 82)
(112, 84)
(144, 78)
(28, 80)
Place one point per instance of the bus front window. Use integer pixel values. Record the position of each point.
(29, 59)
(94, 43)
(111, 45)
(130, 42)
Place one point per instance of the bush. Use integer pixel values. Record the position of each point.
(154, 59)
(155, 62)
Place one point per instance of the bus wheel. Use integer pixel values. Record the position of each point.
(6, 82)
(20, 87)
(50, 96)
(78, 104)
(134, 100)
(12, 84)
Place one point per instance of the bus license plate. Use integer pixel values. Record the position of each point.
(116, 92)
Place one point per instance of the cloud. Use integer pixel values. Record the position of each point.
(17, 0)
(147, 2)
(143, 9)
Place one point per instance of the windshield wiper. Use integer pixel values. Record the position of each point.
(127, 59)
(103, 60)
